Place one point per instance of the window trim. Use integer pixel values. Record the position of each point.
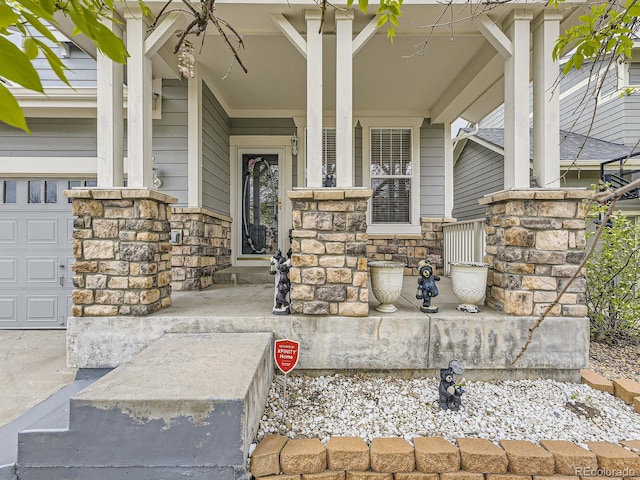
(414, 124)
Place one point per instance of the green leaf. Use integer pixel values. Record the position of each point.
(30, 47)
(15, 66)
(146, 11)
(54, 62)
(40, 27)
(8, 16)
(11, 113)
(382, 20)
(363, 4)
(48, 5)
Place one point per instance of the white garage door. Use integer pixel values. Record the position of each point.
(36, 253)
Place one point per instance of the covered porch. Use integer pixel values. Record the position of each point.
(406, 342)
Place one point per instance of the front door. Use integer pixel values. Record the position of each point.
(259, 203)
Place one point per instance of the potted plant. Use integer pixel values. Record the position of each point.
(469, 284)
(386, 283)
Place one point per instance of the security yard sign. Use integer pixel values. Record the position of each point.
(286, 354)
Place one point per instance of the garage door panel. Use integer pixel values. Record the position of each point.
(42, 231)
(69, 232)
(9, 269)
(8, 308)
(36, 254)
(42, 308)
(9, 230)
(41, 269)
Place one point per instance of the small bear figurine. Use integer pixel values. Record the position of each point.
(450, 395)
(427, 286)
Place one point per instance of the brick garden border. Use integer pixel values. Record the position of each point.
(435, 458)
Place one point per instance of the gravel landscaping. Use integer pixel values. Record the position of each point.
(617, 361)
(368, 407)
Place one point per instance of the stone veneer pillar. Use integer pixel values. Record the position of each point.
(122, 250)
(535, 242)
(204, 247)
(329, 252)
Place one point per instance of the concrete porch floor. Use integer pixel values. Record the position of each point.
(406, 342)
(257, 300)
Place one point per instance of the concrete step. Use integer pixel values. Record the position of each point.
(243, 276)
(53, 413)
(188, 405)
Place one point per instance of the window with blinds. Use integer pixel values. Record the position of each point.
(328, 157)
(391, 175)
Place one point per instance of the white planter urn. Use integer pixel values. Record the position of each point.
(469, 283)
(386, 283)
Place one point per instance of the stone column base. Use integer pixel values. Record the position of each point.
(329, 263)
(203, 248)
(535, 242)
(122, 250)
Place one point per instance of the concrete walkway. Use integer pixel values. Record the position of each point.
(33, 367)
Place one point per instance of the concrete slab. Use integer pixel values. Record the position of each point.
(187, 405)
(33, 367)
(406, 341)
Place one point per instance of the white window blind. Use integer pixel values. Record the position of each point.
(391, 171)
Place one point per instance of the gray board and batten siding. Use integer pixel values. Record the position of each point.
(215, 155)
(479, 171)
(431, 170)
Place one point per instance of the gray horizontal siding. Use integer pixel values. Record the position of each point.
(478, 172)
(82, 69)
(262, 126)
(50, 137)
(431, 170)
(170, 140)
(216, 178)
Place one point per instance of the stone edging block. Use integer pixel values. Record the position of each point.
(435, 458)
(626, 389)
(596, 381)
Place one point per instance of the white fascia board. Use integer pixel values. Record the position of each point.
(48, 166)
(81, 102)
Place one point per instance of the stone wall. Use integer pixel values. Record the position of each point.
(122, 250)
(410, 249)
(204, 247)
(329, 264)
(535, 243)
(435, 458)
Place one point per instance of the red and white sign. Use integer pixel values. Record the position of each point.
(286, 354)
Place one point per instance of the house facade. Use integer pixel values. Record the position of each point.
(589, 137)
(340, 137)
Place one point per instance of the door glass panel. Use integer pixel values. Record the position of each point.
(259, 204)
(35, 192)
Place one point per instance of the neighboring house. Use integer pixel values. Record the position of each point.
(345, 108)
(588, 138)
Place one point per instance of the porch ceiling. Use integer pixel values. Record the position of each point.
(444, 80)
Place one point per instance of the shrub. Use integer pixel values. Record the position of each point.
(613, 270)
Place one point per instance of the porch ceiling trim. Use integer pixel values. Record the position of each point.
(291, 33)
(163, 32)
(495, 37)
(480, 75)
(365, 35)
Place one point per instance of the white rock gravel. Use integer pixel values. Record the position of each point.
(369, 407)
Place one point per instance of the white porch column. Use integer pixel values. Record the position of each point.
(516, 103)
(314, 99)
(139, 105)
(448, 172)
(546, 101)
(110, 123)
(194, 140)
(344, 99)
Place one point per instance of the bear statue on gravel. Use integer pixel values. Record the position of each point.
(450, 393)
